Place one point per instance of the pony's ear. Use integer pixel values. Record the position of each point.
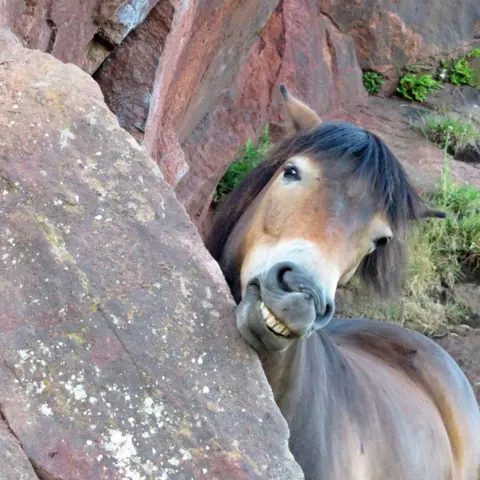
(299, 116)
(432, 214)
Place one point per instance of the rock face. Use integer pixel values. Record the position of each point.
(83, 33)
(119, 354)
(193, 80)
(299, 46)
(208, 43)
(14, 461)
(391, 120)
(390, 34)
(127, 75)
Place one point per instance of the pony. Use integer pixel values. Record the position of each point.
(362, 399)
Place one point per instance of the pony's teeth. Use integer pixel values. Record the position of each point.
(272, 322)
(278, 328)
(265, 312)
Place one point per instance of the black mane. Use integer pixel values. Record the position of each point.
(368, 159)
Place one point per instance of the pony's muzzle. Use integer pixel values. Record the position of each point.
(295, 299)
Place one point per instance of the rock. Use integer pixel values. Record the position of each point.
(468, 295)
(14, 462)
(299, 46)
(390, 35)
(462, 99)
(465, 349)
(391, 119)
(7, 39)
(208, 43)
(83, 33)
(127, 75)
(119, 352)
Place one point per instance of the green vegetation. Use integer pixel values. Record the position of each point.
(458, 71)
(460, 132)
(444, 253)
(418, 87)
(252, 156)
(475, 53)
(372, 81)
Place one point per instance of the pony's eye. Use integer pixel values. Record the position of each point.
(291, 173)
(382, 241)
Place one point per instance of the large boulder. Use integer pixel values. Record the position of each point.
(299, 46)
(119, 353)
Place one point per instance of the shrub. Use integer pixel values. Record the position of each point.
(459, 72)
(418, 87)
(475, 53)
(458, 131)
(252, 156)
(373, 81)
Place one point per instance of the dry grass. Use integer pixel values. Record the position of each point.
(460, 131)
(442, 252)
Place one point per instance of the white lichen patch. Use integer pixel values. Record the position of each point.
(186, 292)
(75, 387)
(174, 461)
(124, 453)
(24, 355)
(145, 214)
(65, 136)
(46, 410)
(156, 409)
(186, 455)
(132, 13)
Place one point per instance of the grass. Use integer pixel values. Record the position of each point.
(459, 131)
(252, 155)
(418, 87)
(443, 254)
(372, 81)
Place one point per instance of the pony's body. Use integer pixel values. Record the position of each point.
(368, 400)
(363, 400)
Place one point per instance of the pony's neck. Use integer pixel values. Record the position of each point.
(312, 372)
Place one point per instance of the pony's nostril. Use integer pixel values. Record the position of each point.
(328, 309)
(281, 278)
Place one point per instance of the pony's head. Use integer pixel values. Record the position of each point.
(331, 199)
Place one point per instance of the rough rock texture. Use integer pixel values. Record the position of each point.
(299, 46)
(208, 43)
(390, 119)
(390, 34)
(127, 75)
(461, 99)
(80, 32)
(14, 462)
(464, 347)
(119, 358)
(468, 295)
